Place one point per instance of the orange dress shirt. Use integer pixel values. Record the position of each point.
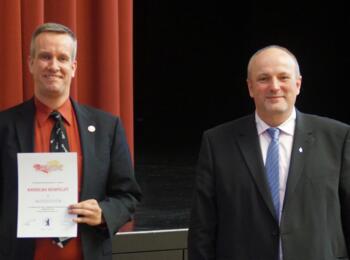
(44, 248)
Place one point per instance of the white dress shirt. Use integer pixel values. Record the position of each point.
(285, 150)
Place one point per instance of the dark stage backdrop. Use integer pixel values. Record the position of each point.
(190, 66)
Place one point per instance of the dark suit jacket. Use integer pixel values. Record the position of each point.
(107, 177)
(233, 216)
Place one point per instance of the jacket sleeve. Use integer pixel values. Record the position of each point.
(344, 190)
(202, 230)
(123, 193)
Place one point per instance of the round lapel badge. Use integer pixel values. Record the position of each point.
(91, 128)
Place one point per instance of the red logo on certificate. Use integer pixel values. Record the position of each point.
(50, 166)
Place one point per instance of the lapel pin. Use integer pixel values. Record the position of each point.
(91, 128)
(300, 150)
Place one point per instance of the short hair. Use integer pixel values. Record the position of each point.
(274, 47)
(55, 28)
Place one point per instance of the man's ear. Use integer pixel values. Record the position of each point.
(74, 67)
(298, 84)
(249, 85)
(30, 63)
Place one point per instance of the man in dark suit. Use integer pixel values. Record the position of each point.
(108, 192)
(244, 210)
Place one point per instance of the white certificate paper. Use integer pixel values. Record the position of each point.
(47, 185)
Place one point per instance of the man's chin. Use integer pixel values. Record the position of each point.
(277, 110)
(52, 92)
(53, 88)
(277, 107)
(52, 85)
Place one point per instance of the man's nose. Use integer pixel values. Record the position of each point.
(275, 84)
(54, 65)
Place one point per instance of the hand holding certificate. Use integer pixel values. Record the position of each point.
(47, 185)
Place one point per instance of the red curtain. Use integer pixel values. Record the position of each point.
(104, 32)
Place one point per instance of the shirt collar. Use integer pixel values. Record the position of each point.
(286, 127)
(43, 112)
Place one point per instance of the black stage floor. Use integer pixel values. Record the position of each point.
(167, 183)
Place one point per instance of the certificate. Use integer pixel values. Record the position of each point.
(47, 185)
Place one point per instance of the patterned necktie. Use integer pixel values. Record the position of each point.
(59, 143)
(58, 138)
(272, 168)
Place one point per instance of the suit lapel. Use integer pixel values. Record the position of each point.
(24, 125)
(248, 142)
(87, 140)
(303, 140)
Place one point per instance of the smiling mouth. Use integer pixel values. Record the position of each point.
(274, 97)
(52, 77)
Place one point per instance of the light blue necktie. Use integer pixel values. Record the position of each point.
(272, 168)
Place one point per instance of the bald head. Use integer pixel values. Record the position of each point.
(272, 49)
